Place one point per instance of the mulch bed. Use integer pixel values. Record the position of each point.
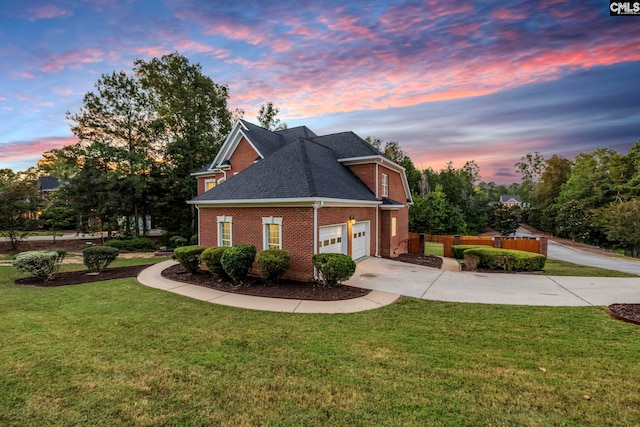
(82, 276)
(625, 312)
(257, 287)
(426, 260)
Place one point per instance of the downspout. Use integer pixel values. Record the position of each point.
(377, 220)
(316, 206)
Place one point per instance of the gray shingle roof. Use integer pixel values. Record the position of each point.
(347, 145)
(300, 169)
(291, 134)
(47, 183)
(264, 140)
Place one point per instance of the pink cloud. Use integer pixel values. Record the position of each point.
(18, 150)
(193, 46)
(508, 14)
(47, 11)
(72, 59)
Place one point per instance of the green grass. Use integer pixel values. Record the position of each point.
(555, 267)
(432, 248)
(118, 353)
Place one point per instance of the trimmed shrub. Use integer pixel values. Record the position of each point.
(189, 257)
(178, 241)
(237, 261)
(506, 259)
(458, 250)
(134, 244)
(97, 258)
(273, 263)
(333, 268)
(41, 265)
(211, 258)
(193, 240)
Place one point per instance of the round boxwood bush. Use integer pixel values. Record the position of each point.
(97, 258)
(41, 265)
(333, 268)
(273, 263)
(211, 258)
(237, 261)
(189, 257)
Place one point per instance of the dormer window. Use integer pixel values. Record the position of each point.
(209, 184)
(385, 185)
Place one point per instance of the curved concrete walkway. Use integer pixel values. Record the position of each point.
(389, 279)
(151, 277)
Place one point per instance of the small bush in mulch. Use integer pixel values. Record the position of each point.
(189, 257)
(98, 258)
(211, 258)
(333, 269)
(273, 263)
(237, 260)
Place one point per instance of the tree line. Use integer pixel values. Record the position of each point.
(140, 137)
(594, 198)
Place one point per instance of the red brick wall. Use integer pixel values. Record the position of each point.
(396, 189)
(367, 174)
(297, 233)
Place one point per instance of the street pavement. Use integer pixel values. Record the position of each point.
(576, 256)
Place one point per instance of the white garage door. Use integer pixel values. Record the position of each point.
(331, 239)
(359, 233)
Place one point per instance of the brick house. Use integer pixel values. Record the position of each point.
(510, 200)
(304, 193)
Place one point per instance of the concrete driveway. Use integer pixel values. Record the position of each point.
(492, 288)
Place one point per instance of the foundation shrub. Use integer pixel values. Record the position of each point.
(189, 257)
(237, 260)
(333, 268)
(211, 258)
(273, 263)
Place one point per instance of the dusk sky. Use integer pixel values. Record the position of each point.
(468, 80)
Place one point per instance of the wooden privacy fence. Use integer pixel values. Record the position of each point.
(528, 244)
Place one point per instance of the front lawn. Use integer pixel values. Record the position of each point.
(118, 353)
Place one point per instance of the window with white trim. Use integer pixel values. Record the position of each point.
(272, 232)
(224, 230)
(385, 185)
(209, 184)
(393, 226)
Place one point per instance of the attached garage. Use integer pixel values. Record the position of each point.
(332, 239)
(360, 237)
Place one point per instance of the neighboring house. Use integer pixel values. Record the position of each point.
(46, 185)
(511, 200)
(303, 193)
